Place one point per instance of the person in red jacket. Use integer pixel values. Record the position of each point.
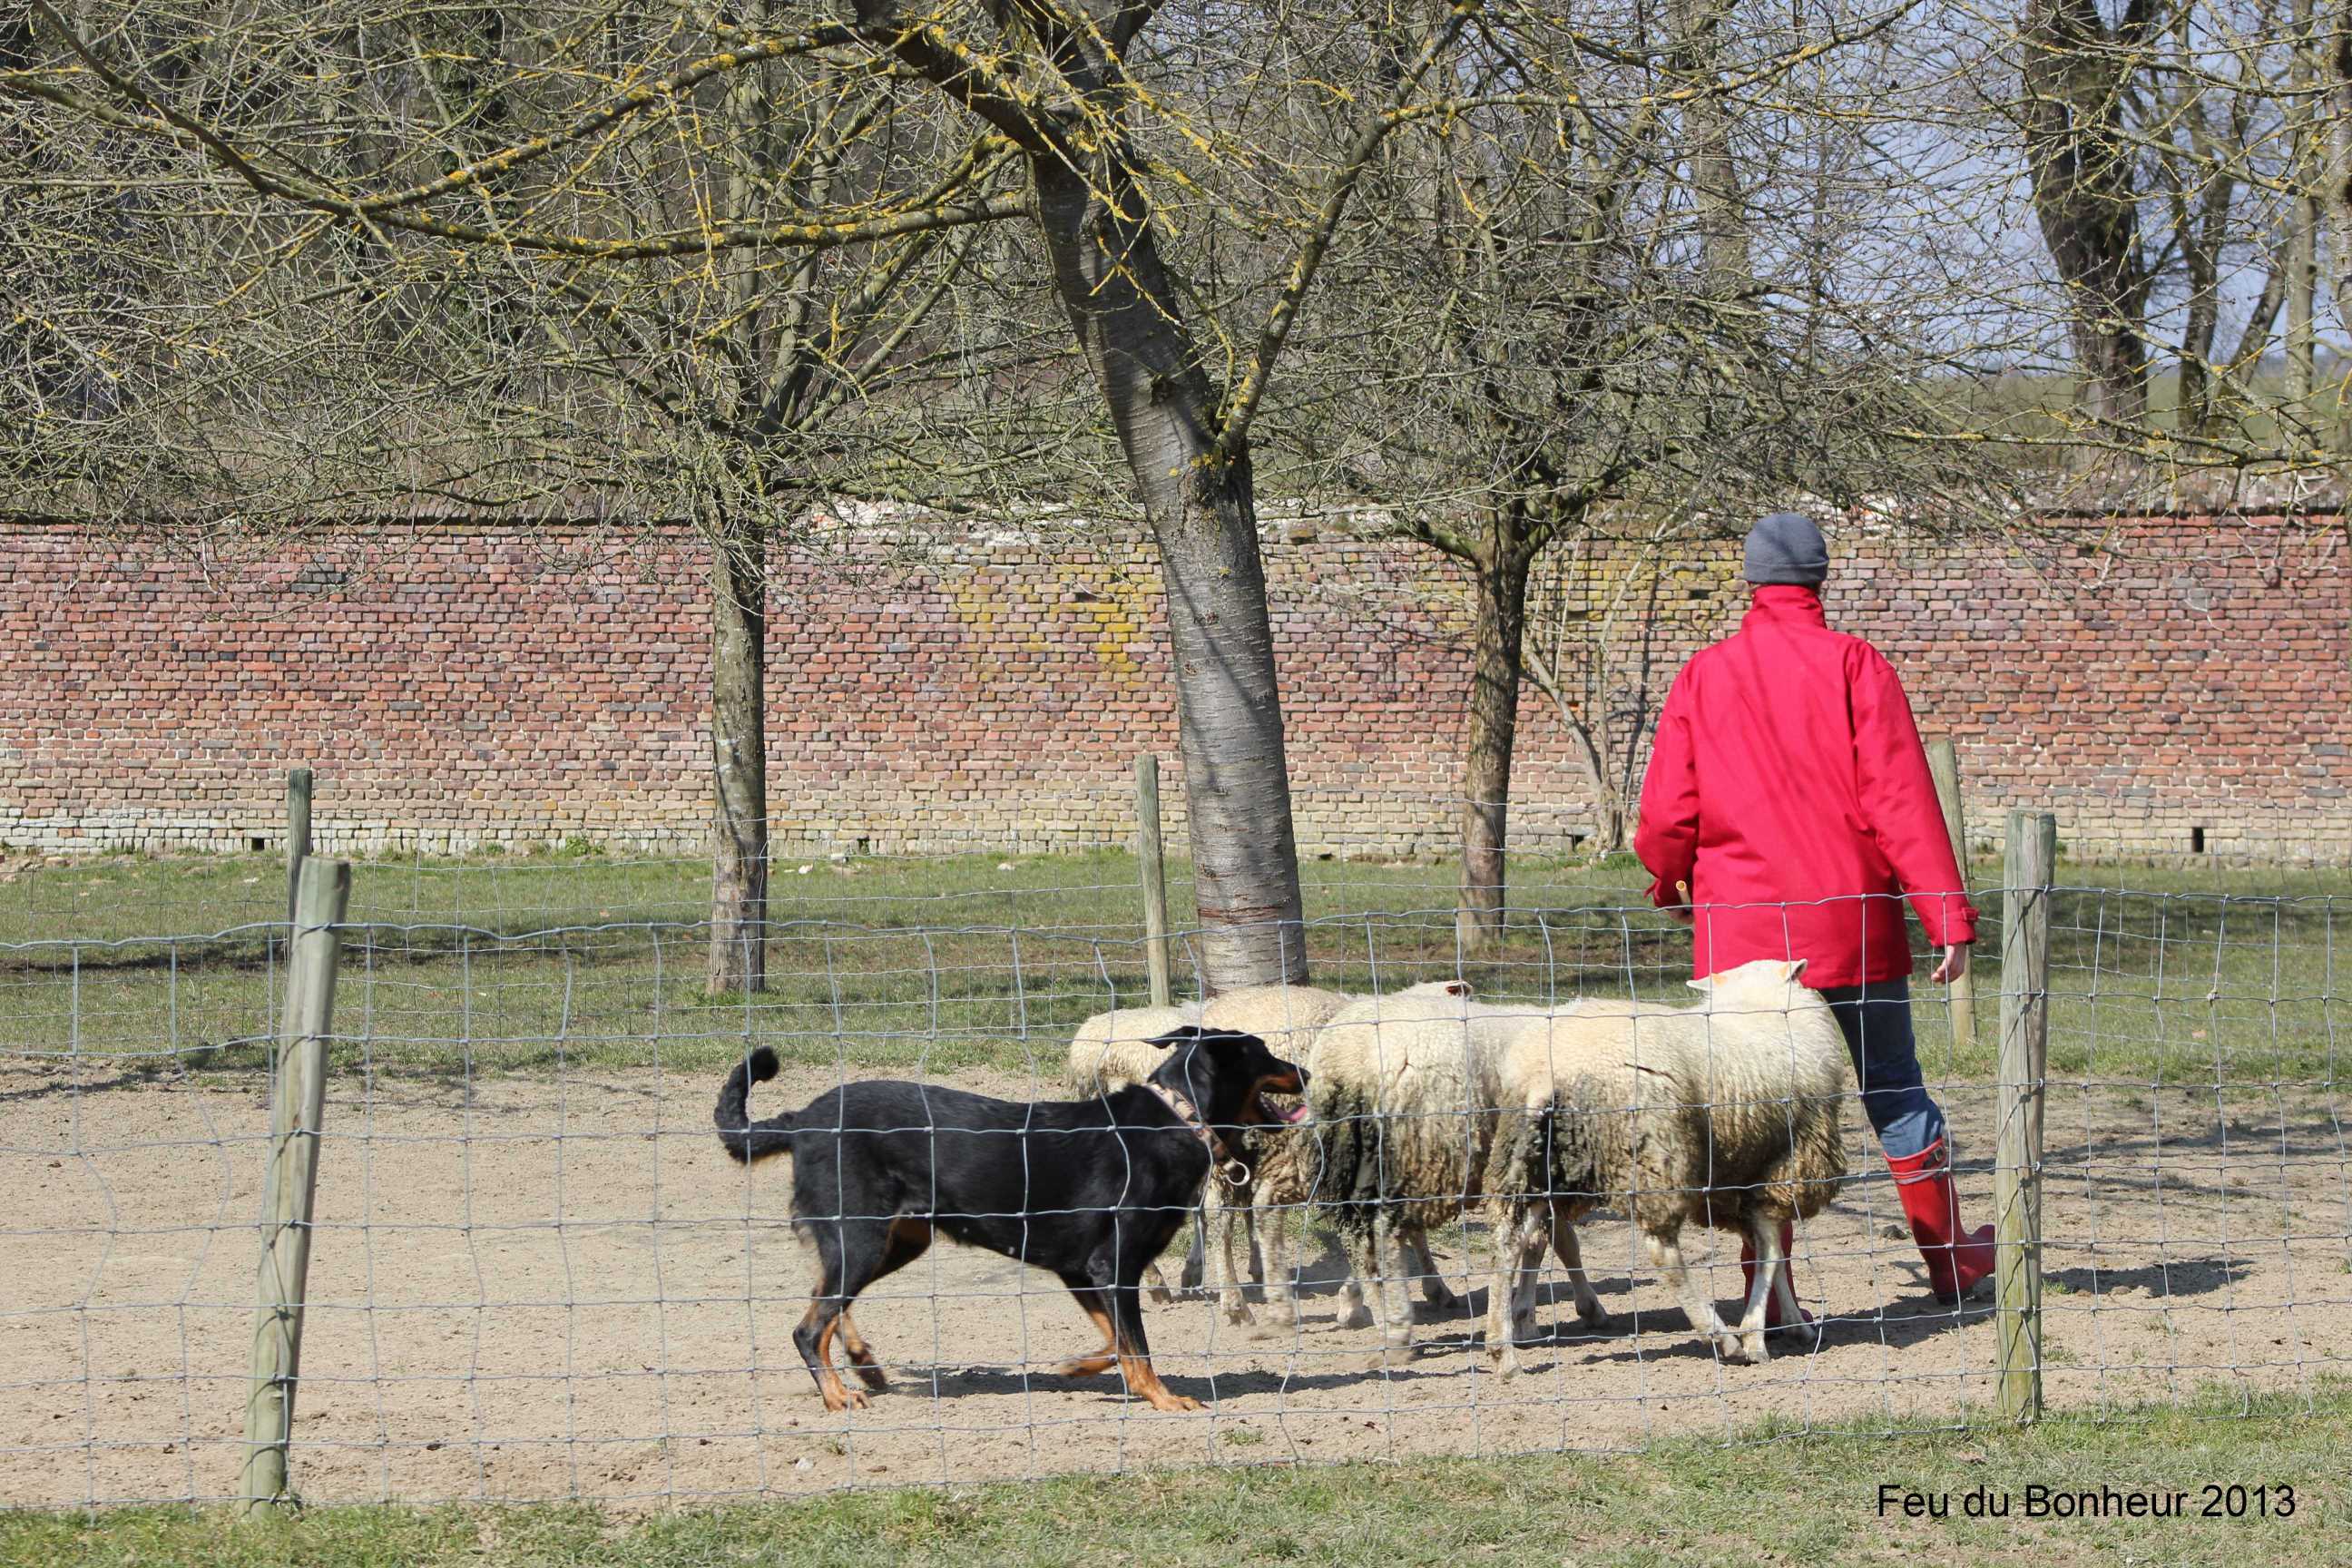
(1787, 814)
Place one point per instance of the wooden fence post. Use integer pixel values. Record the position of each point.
(298, 839)
(2028, 869)
(1945, 764)
(1155, 875)
(297, 1107)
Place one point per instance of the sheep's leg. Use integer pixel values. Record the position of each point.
(1274, 1240)
(1666, 1256)
(1784, 1292)
(1384, 1273)
(1414, 1243)
(1196, 1261)
(1518, 1248)
(1571, 1257)
(1358, 1265)
(1764, 1235)
(1157, 1283)
(1224, 1219)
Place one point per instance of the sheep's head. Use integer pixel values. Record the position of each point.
(1761, 984)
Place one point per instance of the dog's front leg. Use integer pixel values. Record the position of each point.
(1134, 1350)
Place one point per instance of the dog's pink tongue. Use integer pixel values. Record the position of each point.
(1296, 1114)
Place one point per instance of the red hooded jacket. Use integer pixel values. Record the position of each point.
(1788, 786)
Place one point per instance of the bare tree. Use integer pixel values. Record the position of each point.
(1618, 298)
(703, 194)
(2079, 77)
(536, 264)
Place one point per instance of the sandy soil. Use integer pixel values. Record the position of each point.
(526, 1288)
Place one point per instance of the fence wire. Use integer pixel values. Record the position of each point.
(536, 1275)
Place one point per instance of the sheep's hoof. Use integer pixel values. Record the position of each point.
(1746, 1350)
(1360, 1317)
(1238, 1314)
(1592, 1315)
(1436, 1297)
(1388, 1358)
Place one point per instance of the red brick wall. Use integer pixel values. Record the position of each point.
(459, 684)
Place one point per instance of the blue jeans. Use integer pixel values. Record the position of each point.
(1875, 1019)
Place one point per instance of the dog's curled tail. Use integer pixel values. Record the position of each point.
(743, 1138)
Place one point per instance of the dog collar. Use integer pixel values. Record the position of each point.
(1233, 1172)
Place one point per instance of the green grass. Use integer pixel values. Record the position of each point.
(2185, 974)
(1775, 1497)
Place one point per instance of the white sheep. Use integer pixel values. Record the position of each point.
(1114, 1050)
(1407, 1098)
(1725, 1114)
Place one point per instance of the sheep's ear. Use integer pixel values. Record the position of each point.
(1704, 985)
(1795, 969)
(1457, 988)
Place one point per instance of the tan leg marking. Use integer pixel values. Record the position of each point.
(1093, 1366)
(861, 1355)
(1142, 1380)
(836, 1397)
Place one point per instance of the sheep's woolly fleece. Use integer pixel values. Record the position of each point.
(1114, 1050)
(1407, 1092)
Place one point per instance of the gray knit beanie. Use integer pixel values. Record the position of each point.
(1785, 547)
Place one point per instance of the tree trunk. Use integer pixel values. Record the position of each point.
(1202, 504)
(1497, 639)
(1706, 149)
(739, 756)
(2082, 162)
(2303, 229)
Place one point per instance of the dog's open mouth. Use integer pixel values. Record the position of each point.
(1279, 1109)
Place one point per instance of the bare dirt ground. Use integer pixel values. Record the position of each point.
(536, 1289)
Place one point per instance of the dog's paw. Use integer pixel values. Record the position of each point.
(838, 1398)
(1175, 1404)
(874, 1378)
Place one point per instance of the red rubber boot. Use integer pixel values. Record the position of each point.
(1956, 1260)
(1772, 1322)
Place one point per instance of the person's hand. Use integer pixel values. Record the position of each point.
(1954, 964)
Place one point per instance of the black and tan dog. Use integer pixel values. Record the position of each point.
(1091, 1190)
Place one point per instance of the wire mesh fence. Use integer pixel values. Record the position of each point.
(535, 1273)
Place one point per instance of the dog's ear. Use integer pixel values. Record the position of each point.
(1179, 1035)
